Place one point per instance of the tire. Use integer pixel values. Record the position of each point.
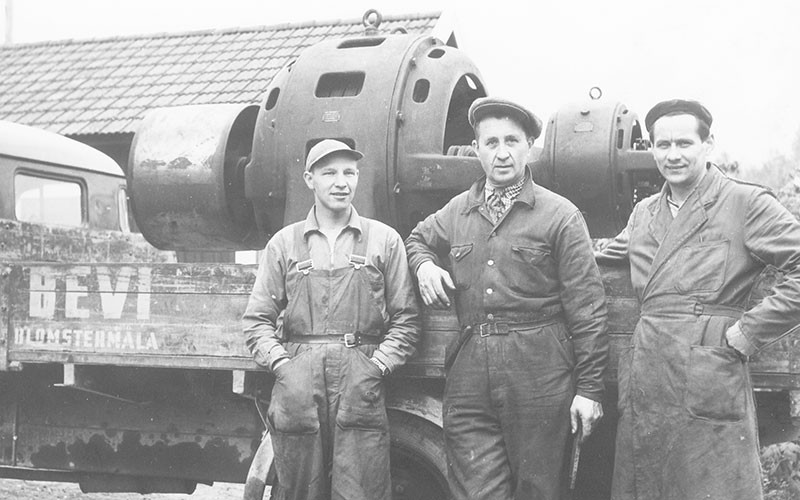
(419, 467)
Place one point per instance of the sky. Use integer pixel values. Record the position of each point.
(741, 59)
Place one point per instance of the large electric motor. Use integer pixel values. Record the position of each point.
(594, 155)
(227, 177)
(400, 99)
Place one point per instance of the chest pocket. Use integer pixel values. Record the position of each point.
(528, 255)
(701, 266)
(533, 270)
(462, 265)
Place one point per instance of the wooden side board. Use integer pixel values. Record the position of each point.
(164, 315)
(188, 316)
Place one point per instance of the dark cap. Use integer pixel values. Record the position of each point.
(677, 106)
(493, 106)
(327, 147)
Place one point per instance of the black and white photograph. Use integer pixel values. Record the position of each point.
(382, 250)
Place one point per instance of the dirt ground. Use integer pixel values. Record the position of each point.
(14, 489)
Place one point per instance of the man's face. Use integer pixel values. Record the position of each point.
(333, 180)
(679, 151)
(503, 148)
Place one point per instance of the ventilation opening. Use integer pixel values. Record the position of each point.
(361, 42)
(421, 90)
(638, 143)
(272, 99)
(436, 53)
(457, 129)
(340, 84)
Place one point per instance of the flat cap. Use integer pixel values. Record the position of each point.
(327, 147)
(495, 106)
(681, 106)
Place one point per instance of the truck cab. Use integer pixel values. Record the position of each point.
(46, 178)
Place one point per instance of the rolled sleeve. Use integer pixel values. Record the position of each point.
(583, 299)
(266, 302)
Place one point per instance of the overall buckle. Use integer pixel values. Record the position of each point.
(350, 339)
(487, 329)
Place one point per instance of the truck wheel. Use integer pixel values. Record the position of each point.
(419, 469)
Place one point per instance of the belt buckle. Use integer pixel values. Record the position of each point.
(350, 339)
(485, 329)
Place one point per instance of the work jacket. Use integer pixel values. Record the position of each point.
(687, 426)
(536, 258)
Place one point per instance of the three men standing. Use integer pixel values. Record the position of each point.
(531, 305)
(533, 351)
(687, 426)
(350, 317)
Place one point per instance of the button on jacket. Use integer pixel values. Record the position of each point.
(537, 256)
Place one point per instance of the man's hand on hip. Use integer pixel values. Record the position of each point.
(588, 411)
(432, 282)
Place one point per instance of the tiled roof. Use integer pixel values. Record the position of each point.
(103, 86)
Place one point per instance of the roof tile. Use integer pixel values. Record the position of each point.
(104, 86)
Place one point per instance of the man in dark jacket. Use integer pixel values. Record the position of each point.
(350, 318)
(532, 310)
(687, 425)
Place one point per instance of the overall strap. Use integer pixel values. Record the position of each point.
(359, 256)
(304, 264)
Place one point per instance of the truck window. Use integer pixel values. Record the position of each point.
(45, 200)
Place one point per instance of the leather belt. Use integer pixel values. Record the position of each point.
(348, 339)
(676, 304)
(504, 328)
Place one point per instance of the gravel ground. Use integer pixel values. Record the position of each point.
(15, 489)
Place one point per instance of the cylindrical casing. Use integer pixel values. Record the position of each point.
(186, 177)
(400, 99)
(591, 156)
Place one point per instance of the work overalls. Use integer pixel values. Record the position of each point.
(327, 416)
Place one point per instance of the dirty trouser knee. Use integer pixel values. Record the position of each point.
(295, 428)
(329, 427)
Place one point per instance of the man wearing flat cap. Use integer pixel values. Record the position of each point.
(350, 318)
(529, 363)
(687, 427)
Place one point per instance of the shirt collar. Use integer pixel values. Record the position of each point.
(707, 189)
(477, 192)
(510, 193)
(311, 223)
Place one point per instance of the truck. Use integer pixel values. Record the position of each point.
(123, 366)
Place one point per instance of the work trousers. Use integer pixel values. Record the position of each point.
(506, 414)
(329, 427)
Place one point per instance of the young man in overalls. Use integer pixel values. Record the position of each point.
(350, 318)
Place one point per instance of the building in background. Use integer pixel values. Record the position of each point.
(96, 91)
